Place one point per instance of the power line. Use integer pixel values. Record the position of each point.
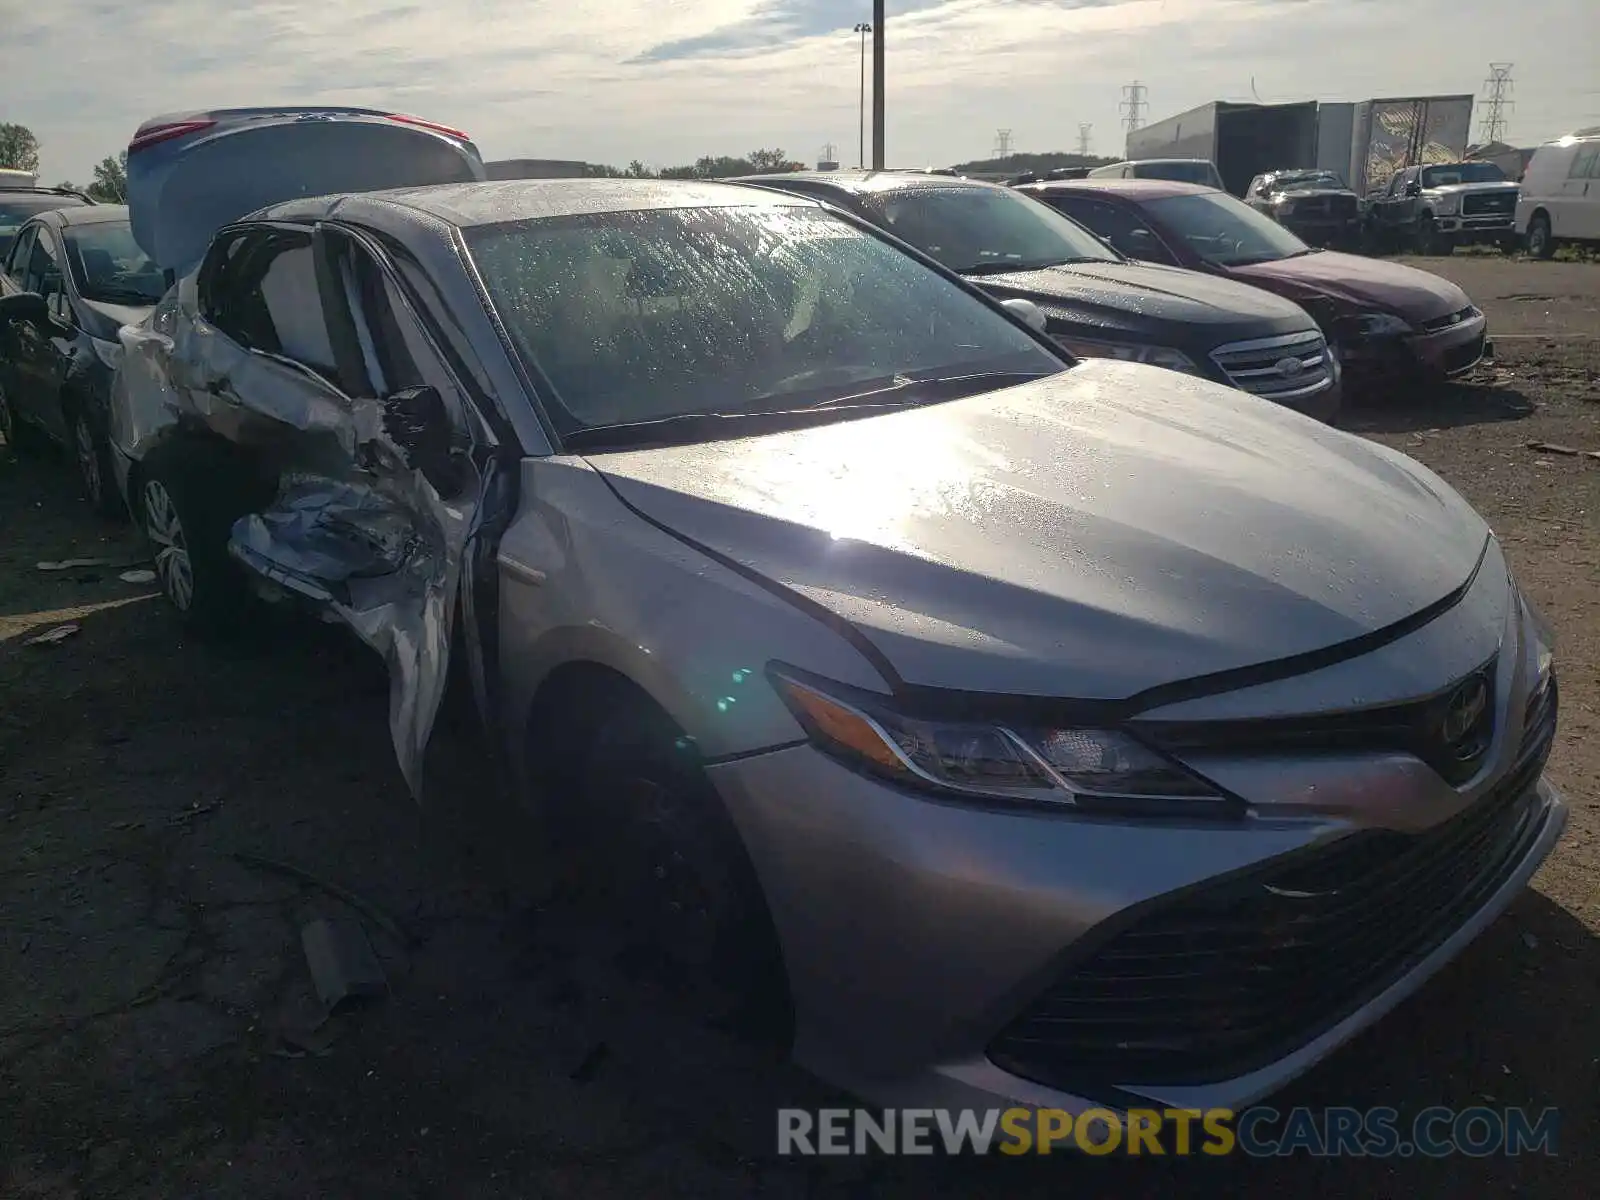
(1497, 94)
(1083, 138)
(1002, 143)
(1133, 106)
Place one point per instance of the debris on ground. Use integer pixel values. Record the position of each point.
(1568, 451)
(52, 636)
(68, 564)
(344, 969)
(138, 575)
(365, 907)
(316, 1041)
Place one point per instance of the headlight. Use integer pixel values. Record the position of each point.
(1284, 206)
(110, 353)
(1372, 325)
(1155, 356)
(1082, 768)
(1447, 206)
(1543, 638)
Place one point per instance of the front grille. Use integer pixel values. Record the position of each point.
(1450, 320)
(1224, 978)
(1459, 358)
(1279, 368)
(1336, 207)
(1485, 203)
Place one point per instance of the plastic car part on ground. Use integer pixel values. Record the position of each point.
(353, 529)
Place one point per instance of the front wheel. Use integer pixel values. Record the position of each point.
(674, 868)
(1541, 242)
(1430, 242)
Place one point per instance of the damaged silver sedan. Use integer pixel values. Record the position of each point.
(1040, 732)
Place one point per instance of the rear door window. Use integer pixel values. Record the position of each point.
(260, 289)
(44, 267)
(1585, 163)
(17, 262)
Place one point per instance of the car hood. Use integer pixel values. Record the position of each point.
(1151, 303)
(1365, 283)
(1091, 535)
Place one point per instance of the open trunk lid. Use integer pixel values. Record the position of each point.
(189, 174)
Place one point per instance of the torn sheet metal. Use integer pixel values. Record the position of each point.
(355, 529)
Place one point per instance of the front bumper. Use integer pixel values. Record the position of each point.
(918, 934)
(1495, 227)
(1432, 354)
(1324, 231)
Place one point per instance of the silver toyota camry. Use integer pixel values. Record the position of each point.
(1037, 731)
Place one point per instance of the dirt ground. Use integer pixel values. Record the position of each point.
(158, 1033)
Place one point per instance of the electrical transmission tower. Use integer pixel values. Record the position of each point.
(1497, 95)
(1083, 138)
(1002, 143)
(1133, 106)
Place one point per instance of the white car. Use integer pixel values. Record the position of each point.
(1560, 199)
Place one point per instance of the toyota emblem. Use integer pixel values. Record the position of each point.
(1289, 367)
(1462, 716)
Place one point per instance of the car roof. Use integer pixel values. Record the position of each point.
(863, 183)
(1133, 189)
(88, 214)
(466, 205)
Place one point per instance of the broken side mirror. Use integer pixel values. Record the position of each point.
(418, 422)
(28, 307)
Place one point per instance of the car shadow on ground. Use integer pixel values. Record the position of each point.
(1441, 406)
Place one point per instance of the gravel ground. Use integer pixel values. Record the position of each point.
(159, 1037)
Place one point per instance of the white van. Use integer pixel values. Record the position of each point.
(1560, 197)
(14, 180)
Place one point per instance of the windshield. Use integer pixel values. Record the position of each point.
(110, 267)
(1225, 231)
(1307, 179)
(1480, 172)
(15, 211)
(979, 229)
(1178, 172)
(645, 316)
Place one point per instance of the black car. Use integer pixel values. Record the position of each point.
(1096, 302)
(19, 205)
(1315, 205)
(73, 277)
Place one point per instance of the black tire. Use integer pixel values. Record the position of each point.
(1541, 239)
(1430, 242)
(92, 453)
(671, 867)
(187, 496)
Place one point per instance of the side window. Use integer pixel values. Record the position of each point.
(1123, 227)
(44, 267)
(1585, 162)
(18, 262)
(261, 291)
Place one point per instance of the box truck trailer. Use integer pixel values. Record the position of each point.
(1364, 142)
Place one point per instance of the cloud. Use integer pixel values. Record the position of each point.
(669, 80)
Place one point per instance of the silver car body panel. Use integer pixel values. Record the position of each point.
(1091, 535)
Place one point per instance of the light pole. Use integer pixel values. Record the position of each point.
(877, 85)
(861, 146)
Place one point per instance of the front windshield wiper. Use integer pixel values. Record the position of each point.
(107, 295)
(713, 425)
(993, 268)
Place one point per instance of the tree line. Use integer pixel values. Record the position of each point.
(721, 166)
(19, 150)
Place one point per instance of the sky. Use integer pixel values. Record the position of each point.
(666, 81)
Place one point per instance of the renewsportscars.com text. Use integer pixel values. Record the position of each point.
(1259, 1132)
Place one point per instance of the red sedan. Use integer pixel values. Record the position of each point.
(1386, 322)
